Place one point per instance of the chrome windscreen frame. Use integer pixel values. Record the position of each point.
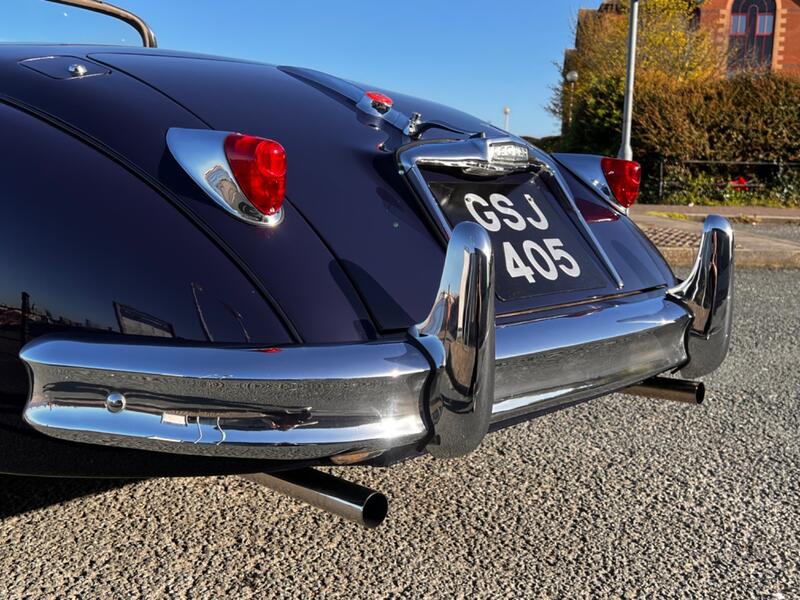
(476, 155)
(106, 8)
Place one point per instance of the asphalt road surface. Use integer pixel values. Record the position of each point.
(622, 497)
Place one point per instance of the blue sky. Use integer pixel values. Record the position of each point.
(474, 55)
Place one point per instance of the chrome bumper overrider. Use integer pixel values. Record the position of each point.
(441, 386)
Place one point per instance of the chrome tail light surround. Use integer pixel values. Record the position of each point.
(201, 153)
(588, 168)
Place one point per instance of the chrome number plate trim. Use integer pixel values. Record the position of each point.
(477, 154)
(539, 250)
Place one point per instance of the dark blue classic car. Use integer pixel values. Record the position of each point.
(214, 266)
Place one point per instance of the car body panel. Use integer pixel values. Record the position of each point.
(348, 189)
(88, 246)
(344, 193)
(313, 293)
(343, 183)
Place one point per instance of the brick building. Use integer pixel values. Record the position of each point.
(753, 33)
(756, 32)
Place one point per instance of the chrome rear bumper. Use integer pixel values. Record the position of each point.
(439, 387)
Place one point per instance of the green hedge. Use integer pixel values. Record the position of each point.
(747, 117)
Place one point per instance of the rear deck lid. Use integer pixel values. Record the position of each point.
(344, 180)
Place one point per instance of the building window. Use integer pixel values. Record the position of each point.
(765, 24)
(738, 24)
(752, 34)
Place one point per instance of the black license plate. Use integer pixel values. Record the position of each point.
(538, 247)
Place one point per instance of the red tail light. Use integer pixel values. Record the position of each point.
(259, 166)
(624, 178)
(380, 102)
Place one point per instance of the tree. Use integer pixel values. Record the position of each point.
(671, 47)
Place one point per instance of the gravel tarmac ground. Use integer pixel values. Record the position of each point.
(622, 497)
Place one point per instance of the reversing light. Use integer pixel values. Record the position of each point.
(259, 166)
(624, 178)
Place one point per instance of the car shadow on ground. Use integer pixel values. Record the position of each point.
(20, 494)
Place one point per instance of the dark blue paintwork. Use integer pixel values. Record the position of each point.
(298, 273)
(356, 255)
(87, 245)
(344, 184)
(348, 190)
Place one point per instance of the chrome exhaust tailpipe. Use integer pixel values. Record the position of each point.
(666, 388)
(332, 494)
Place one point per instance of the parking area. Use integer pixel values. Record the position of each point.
(620, 497)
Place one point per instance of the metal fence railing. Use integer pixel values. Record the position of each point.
(761, 181)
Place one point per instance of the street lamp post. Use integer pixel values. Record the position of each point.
(506, 116)
(571, 78)
(625, 150)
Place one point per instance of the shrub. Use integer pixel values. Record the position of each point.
(749, 117)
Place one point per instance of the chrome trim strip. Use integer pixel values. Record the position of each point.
(201, 153)
(420, 187)
(546, 159)
(358, 97)
(708, 293)
(459, 334)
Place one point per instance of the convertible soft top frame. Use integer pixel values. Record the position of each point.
(148, 37)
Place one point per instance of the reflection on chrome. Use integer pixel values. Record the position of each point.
(708, 293)
(513, 404)
(459, 334)
(228, 401)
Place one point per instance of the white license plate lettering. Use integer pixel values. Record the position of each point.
(515, 266)
(540, 260)
(546, 258)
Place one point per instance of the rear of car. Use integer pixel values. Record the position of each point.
(436, 277)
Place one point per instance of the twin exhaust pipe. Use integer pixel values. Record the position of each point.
(667, 388)
(332, 494)
(369, 508)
